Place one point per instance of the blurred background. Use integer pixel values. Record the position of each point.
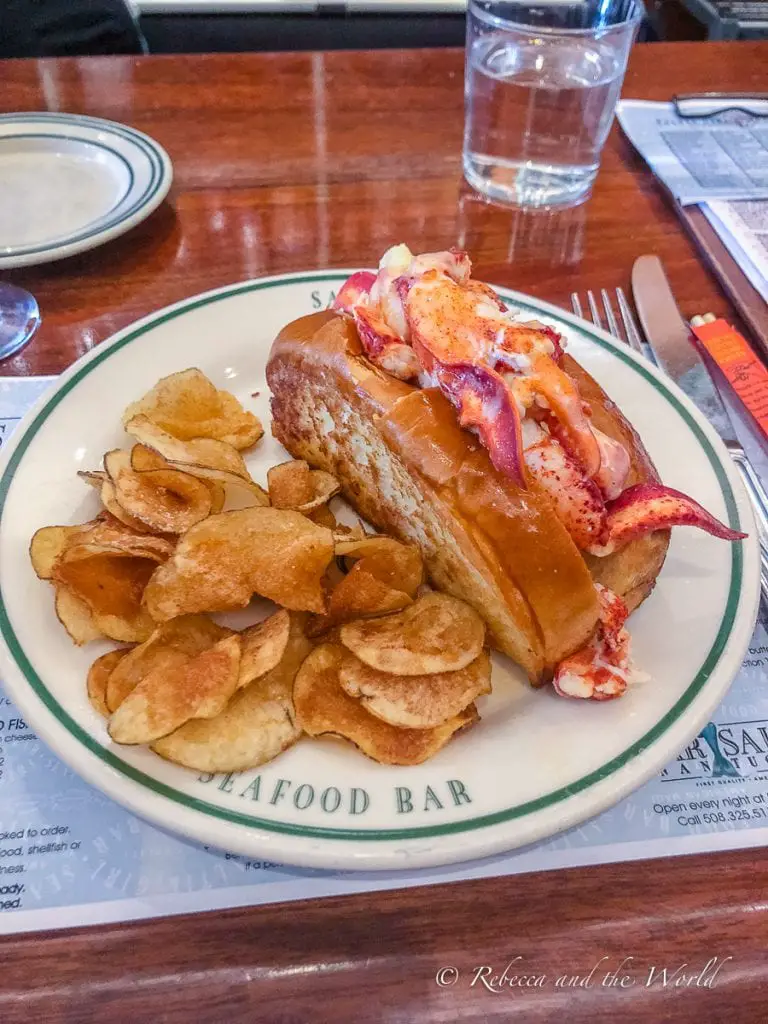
(34, 28)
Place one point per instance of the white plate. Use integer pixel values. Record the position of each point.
(69, 183)
(534, 765)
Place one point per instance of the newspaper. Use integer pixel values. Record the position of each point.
(720, 162)
(69, 856)
(700, 159)
(743, 227)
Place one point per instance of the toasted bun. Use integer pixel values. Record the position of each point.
(407, 467)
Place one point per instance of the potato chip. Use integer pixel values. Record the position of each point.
(169, 646)
(111, 585)
(95, 478)
(218, 493)
(109, 500)
(333, 575)
(165, 699)
(167, 500)
(187, 405)
(127, 676)
(294, 485)
(47, 544)
(125, 629)
(143, 458)
(76, 617)
(116, 461)
(342, 532)
(101, 482)
(257, 724)
(214, 460)
(323, 516)
(98, 676)
(258, 495)
(415, 702)
(106, 535)
(321, 624)
(325, 487)
(323, 708)
(437, 633)
(358, 595)
(202, 452)
(263, 645)
(387, 560)
(384, 579)
(290, 484)
(222, 562)
(100, 596)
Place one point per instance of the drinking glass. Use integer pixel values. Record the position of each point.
(541, 86)
(19, 318)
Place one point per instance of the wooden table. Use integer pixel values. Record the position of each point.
(313, 160)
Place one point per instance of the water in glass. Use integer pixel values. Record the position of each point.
(538, 111)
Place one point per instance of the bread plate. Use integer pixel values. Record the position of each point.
(533, 766)
(70, 183)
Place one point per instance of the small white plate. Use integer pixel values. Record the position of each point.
(535, 763)
(69, 183)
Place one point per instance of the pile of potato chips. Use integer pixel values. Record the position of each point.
(359, 648)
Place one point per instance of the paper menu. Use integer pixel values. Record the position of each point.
(17, 394)
(70, 856)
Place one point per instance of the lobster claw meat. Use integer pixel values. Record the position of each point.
(354, 289)
(649, 506)
(577, 500)
(455, 263)
(601, 669)
(557, 343)
(383, 346)
(615, 465)
(423, 317)
(485, 291)
(563, 398)
(484, 403)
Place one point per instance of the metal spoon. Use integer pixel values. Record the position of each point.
(19, 318)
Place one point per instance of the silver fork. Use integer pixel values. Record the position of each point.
(629, 332)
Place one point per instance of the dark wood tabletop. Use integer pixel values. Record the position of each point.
(291, 161)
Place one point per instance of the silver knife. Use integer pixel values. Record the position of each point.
(669, 338)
